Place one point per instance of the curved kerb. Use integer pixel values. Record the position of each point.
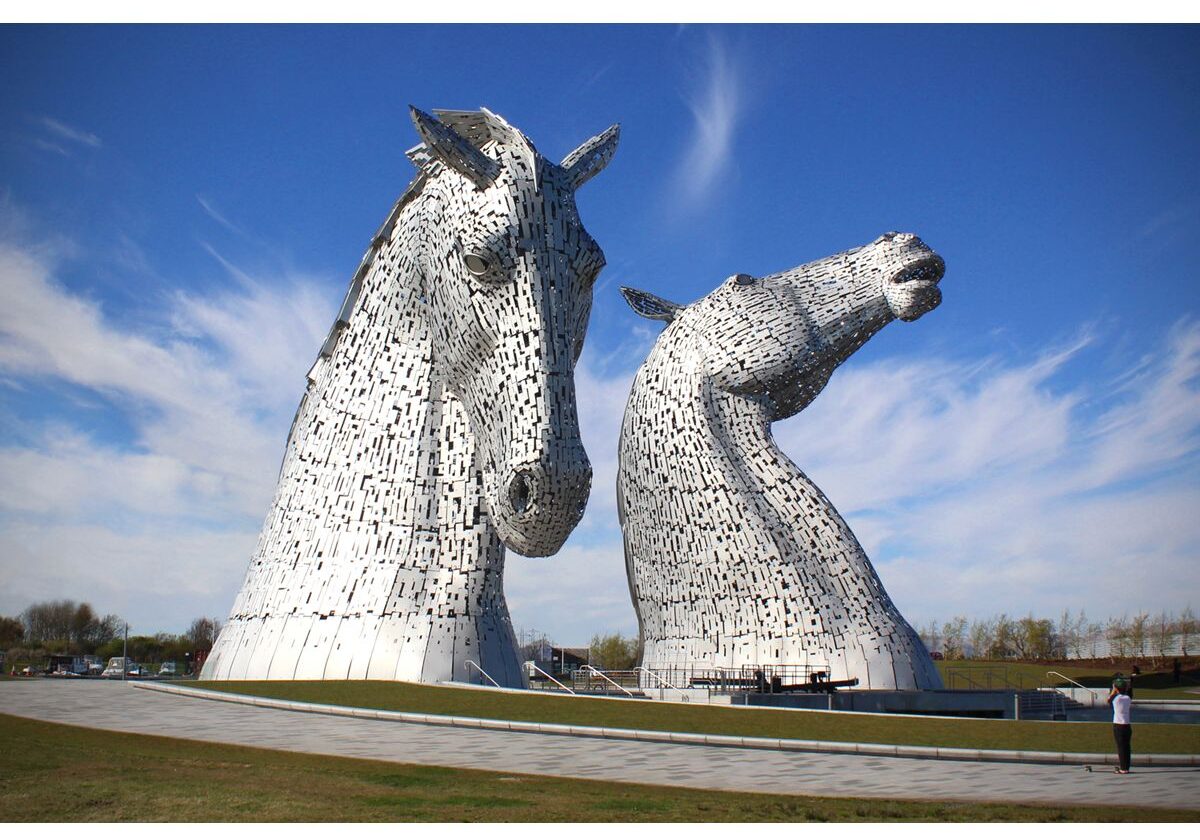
(785, 744)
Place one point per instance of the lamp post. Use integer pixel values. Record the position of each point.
(125, 654)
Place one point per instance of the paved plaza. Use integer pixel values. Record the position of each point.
(120, 707)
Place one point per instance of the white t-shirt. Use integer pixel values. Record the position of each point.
(1121, 705)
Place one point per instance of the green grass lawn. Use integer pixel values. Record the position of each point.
(717, 720)
(52, 772)
(1152, 685)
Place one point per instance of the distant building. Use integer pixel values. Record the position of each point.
(561, 660)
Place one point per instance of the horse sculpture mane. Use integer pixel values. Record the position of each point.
(735, 559)
(438, 425)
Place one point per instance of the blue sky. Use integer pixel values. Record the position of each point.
(181, 209)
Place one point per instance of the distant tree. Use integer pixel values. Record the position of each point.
(203, 633)
(1080, 639)
(1117, 633)
(111, 648)
(932, 637)
(613, 652)
(980, 634)
(1095, 635)
(1064, 636)
(155, 648)
(1138, 626)
(535, 645)
(83, 624)
(1186, 627)
(49, 621)
(12, 632)
(110, 627)
(1003, 642)
(1163, 632)
(954, 637)
(1033, 638)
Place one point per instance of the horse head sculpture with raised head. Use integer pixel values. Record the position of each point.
(780, 337)
(735, 558)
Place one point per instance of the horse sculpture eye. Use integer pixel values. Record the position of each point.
(476, 264)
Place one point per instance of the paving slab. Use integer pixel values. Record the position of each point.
(119, 707)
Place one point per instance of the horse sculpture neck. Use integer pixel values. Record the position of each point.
(379, 527)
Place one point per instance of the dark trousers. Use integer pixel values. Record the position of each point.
(1123, 734)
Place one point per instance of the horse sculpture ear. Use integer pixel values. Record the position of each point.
(651, 306)
(452, 149)
(592, 156)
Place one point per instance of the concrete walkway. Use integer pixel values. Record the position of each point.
(111, 705)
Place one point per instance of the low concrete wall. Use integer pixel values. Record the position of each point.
(987, 704)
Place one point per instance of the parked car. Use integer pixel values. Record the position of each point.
(167, 669)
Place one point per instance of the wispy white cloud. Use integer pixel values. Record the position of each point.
(208, 389)
(217, 216)
(67, 132)
(715, 99)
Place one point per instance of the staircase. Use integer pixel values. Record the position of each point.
(1045, 704)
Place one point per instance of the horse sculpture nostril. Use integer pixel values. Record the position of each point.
(520, 493)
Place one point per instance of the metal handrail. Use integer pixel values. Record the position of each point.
(603, 676)
(1062, 676)
(547, 676)
(1000, 671)
(1095, 691)
(657, 677)
(954, 674)
(485, 673)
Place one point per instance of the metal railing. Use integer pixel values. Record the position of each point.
(732, 680)
(475, 665)
(984, 678)
(605, 677)
(661, 681)
(547, 676)
(1040, 702)
(1095, 692)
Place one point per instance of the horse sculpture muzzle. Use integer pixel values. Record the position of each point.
(539, 503)
(913, 290)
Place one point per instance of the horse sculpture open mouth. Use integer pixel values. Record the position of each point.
(925, 271)
(913, 290)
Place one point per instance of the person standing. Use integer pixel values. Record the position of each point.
(1121, 702)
